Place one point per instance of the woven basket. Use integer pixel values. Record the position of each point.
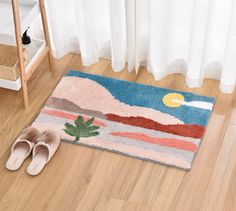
(9, 68)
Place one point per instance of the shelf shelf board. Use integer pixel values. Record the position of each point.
(29, 9)
(35, 49)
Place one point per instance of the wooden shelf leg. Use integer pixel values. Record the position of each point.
(16, 17)
(46, 33)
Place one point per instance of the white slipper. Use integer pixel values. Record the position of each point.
(22, 148)
(43, 151)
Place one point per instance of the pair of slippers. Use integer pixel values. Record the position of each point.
(43, 146)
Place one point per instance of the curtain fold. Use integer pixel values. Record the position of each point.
(118, 34)
(193, 37)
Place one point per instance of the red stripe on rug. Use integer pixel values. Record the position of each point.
(167, 142)
(194, 131)
(69, 116)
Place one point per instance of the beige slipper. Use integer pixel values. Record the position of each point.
(47, 145)
(22, 148)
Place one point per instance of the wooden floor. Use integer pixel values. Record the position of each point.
(80, 178)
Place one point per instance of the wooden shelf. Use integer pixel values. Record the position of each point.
(29, 10)
(16, 17)
(35, 50)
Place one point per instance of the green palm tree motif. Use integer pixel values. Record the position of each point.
(81, 129)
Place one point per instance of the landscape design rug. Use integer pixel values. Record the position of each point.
(141, 121)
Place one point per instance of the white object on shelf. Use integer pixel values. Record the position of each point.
(34, 50)
(29, 9)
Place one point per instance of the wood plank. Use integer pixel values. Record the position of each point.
(121, 205)
(221, 178)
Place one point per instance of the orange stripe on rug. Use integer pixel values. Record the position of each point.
(69, 116)
(168, 142)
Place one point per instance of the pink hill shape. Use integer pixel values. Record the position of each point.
(88, 94)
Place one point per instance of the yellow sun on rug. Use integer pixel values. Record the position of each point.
(173, 100)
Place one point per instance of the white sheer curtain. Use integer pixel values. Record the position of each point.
(90, 27)
(193, 37)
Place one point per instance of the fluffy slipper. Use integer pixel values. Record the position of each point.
(22, 148)
(47, 145)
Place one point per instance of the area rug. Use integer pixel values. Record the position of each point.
(145, 122)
